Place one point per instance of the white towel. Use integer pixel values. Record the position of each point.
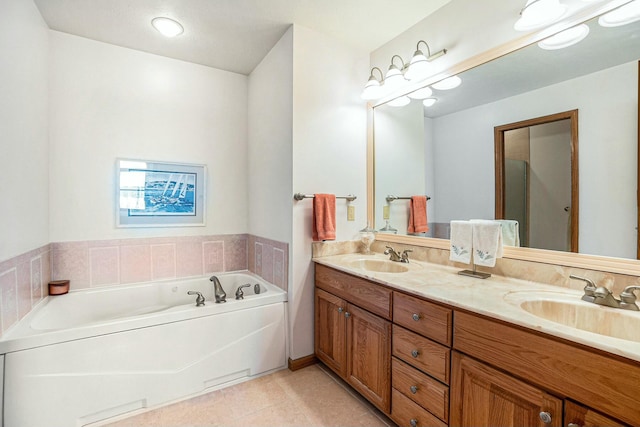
(461, 241)
(487, 242)
(510, 232)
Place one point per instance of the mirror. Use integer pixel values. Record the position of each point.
(447, 151)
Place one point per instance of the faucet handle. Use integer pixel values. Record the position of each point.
(628, 298)
(589, 288)
(199, 298)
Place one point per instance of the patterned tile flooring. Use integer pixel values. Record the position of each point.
(312, 397)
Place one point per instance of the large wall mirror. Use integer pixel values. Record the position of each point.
(447, 151)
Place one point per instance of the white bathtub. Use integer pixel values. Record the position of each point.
(93, 354)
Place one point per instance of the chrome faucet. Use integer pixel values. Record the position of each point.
(199, 298)
(628, 298)
(395, 256)
(603, 296)
(239, 293)
(219, 293)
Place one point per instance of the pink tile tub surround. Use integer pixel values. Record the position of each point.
(270, 260)
(121, 261)
(24, 278)
(23, 284)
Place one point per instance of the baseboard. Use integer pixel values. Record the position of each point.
(302, 362)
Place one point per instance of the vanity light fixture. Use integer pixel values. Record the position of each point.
(565, 38)
(623, 15)
(399, 102)
(429, 102)
(538, 13)
(448, 83)
(373, 89)
(167, 26)
(394, 78)
(418, 67)
(422, 93)
(399, 74)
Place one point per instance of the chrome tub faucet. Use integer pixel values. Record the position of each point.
(199, 298)
(239, 292)
(219, 293)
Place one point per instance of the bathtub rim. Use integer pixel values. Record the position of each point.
(21, 336)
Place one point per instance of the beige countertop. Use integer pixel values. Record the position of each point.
(501, 298)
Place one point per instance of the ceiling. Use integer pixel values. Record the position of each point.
(232, 35)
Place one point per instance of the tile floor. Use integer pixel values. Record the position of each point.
(312, 396)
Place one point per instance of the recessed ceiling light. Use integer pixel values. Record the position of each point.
(167, 27)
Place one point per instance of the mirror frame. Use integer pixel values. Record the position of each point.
(568, 259)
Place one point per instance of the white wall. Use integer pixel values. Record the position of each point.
(24, 154)
(329, 156)
(108, 102)
(270, 143)
(465, 184)
(400, 154)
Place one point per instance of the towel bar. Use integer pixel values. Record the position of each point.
(391, 198)
(300, 196)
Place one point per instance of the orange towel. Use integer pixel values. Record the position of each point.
(324, 217)
(418, 215)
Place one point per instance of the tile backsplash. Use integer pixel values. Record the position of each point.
(24, 279)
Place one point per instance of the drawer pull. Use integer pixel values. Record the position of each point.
(416, 317)
(415, 353)
(573, 425)
(340, 309)
(545, 417)
(413, 422)
(413, 389)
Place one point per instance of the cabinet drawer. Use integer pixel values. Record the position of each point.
(422, 389)
(407, 413)
(422, 353)
(423, 317)
(365, 294)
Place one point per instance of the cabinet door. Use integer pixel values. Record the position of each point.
(330, 331)
(483, 396)
(579, 416)
(369, 356)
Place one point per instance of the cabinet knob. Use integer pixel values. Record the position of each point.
(415, 317)
(347, 314)
(573, 425)
(414, 389)
(415, 353)
(545, 417)
(340, 309)
(413, 422)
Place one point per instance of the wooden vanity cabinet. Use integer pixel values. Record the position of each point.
(483, 396)
(352, 340)
(608, 384)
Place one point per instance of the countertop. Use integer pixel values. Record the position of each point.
(499, 298)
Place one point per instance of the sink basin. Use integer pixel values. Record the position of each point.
(569, 310)
(379, 265)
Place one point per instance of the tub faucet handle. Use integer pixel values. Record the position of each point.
(199, 298)
(239, 293)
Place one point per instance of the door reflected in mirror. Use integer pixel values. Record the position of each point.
(536, 162)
